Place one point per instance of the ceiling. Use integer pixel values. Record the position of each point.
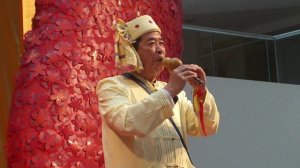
(268, 17)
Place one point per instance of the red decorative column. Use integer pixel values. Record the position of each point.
(54, 120)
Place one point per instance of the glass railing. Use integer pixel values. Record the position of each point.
(240, 55)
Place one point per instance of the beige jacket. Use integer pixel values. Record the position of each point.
(136, 131)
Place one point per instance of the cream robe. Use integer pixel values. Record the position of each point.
(136, 131)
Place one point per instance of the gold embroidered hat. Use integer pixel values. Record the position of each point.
(126, 34)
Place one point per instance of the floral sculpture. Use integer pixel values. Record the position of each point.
(54, 119)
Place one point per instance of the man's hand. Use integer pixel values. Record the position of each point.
(199, 81)
(184, 73)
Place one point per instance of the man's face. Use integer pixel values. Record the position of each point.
(151, 50)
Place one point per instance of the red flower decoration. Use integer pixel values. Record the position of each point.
(38, 68)
(54, 118)
(63, 48)
(55, 59)
(32, 39)
(50, 32)
(32, 55)
(76, 103)
(50, 138)
(51, 78)
(66, 130)
(64, 26)
(43, 17)
(80, 8)
(41, 119)
(60, 96)
(87, 67)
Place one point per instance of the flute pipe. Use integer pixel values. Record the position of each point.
(172, 63)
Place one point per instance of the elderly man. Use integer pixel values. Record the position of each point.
(146, 121)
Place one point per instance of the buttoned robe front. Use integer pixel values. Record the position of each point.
(136, 130)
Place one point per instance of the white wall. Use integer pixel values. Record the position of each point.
(260, 126)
